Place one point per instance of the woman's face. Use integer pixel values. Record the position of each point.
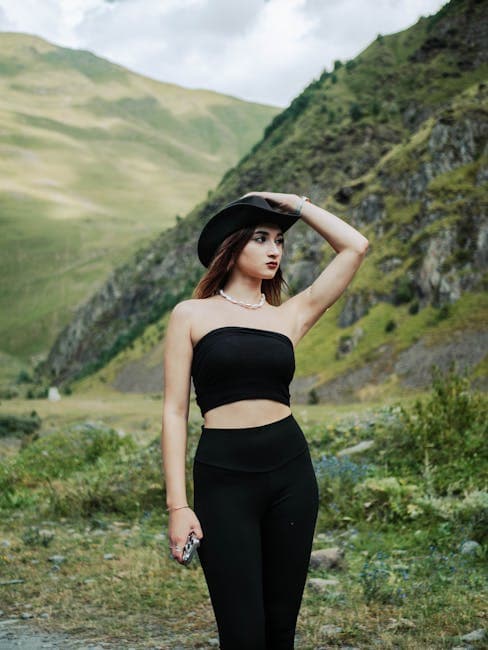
(265, 246)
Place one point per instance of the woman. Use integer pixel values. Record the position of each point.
(255, 490)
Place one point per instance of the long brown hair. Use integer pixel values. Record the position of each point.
(221, 265)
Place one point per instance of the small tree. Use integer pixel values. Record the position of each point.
(355, 112)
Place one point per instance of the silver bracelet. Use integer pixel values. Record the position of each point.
(298, 211)
(177, 508)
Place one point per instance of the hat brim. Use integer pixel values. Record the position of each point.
(234, 216)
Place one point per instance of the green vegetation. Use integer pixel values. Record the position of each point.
(410, 513)
(12, 425)
(316, 352)
(368, 124)
(445, 437)
(96, 160)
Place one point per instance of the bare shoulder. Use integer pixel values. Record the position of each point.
(191, 309)
(185, 309)
(188, 312)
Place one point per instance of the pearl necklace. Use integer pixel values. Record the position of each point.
(244, 304)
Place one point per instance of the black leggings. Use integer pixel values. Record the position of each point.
(256, 497)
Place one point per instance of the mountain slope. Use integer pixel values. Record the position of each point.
(394, 142)
(95, 160)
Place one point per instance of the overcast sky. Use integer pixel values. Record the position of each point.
(265, 51)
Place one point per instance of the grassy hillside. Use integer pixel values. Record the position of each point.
(394, 142)
(94, 161)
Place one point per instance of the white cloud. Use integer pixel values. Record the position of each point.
(260, 50)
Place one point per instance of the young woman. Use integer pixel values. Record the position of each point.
(255, 491)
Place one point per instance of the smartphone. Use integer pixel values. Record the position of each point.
(189, 550)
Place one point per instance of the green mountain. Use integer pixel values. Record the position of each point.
(95, 160)
(394, 142)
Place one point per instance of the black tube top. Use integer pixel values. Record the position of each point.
(233, 363)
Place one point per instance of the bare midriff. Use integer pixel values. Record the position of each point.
(246, 413)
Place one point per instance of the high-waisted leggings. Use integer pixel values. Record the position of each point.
(256, 497)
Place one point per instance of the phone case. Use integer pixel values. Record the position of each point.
(189, 550)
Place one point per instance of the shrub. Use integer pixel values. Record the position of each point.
(414, 308)
(382, 582)
(126, 485)
(442, 313)
(404, 291)
(19, 425)
(449, 431)
(23, 377)
(313, 398)
(58, 455)
(387, 499)
(337, 478)
(355, 111)
(469, 513)
(375, 107)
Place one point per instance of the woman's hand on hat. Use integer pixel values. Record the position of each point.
(285, 202)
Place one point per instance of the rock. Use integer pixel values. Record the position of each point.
(356, 306)
(57, 558)
(348, 343)
(469, 547)
(370, 210)
(364, 445)
(327, 558)
(108, 556)
(53, 394)
(389, 263)
(322, 585)
(413, 365)
(330, 631)
(435, 285)
(475, 635)
(324, 537)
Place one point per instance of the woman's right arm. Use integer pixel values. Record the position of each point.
(178, 354)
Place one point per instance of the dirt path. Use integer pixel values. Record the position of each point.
(17, 635)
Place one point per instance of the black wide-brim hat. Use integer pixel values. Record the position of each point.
(246, 211)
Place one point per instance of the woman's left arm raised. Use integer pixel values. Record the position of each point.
(350, 245)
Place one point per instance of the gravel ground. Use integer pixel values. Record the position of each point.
(15, 635)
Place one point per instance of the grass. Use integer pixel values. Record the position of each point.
(92, 495)
(399, 588)
(95, 160)
(316, 354)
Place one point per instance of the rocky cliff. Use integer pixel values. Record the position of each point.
(394, 141)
